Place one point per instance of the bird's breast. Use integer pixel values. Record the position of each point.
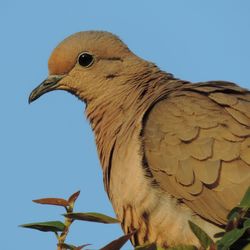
(141, 206)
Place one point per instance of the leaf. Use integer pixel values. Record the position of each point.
(183, 247)
(229, 238)
(73, 197)
(82, 246)
(95, 217)
(232, 236)
(246, 224)
(49, 226)
(72, 247)
(234, 218)
(219, 235)
(204, 239)
(118, 243)
(245, 202)
(234, 214)
(53, 201)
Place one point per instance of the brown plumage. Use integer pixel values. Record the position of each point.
(170, 150)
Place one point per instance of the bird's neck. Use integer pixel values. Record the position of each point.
(117, 114)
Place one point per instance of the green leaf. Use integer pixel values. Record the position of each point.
(183, 247)
(234, 218)
(49, 226)
(219, 234)
(230, 238)
(246, 224)
(118, 243)
(234, 213)
(245, 202)
(204, 239)
(95, 217)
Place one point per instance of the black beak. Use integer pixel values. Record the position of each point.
(50, 84)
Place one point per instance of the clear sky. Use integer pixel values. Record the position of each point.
(47, 148)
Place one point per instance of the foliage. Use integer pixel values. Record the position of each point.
(236, 235)
(61, 229)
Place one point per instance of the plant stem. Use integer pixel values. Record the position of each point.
(67, 223)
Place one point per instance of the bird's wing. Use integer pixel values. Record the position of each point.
(197, 146)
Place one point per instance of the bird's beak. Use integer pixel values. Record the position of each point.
(51, 83)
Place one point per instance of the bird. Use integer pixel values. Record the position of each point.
(171, 151)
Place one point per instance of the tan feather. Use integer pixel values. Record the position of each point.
(238, 116)
(237, 129)
(225, 150)
(195, 188)
(201, 149)
(243, 106)
(223, 99)
(208, 171)
(185, 174)
(188, 134)
(235, 171)
(245, 155)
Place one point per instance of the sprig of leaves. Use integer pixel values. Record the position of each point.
(236, 235)
(61, 229)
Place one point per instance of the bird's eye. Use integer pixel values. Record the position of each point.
(85, 59)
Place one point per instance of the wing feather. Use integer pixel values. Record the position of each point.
(197, 146)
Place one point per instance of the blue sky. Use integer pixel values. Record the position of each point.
(47, 148)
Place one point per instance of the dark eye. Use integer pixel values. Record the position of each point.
(85, 59)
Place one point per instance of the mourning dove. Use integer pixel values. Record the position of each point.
(170, 150)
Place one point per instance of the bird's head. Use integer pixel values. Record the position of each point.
(88, 64)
